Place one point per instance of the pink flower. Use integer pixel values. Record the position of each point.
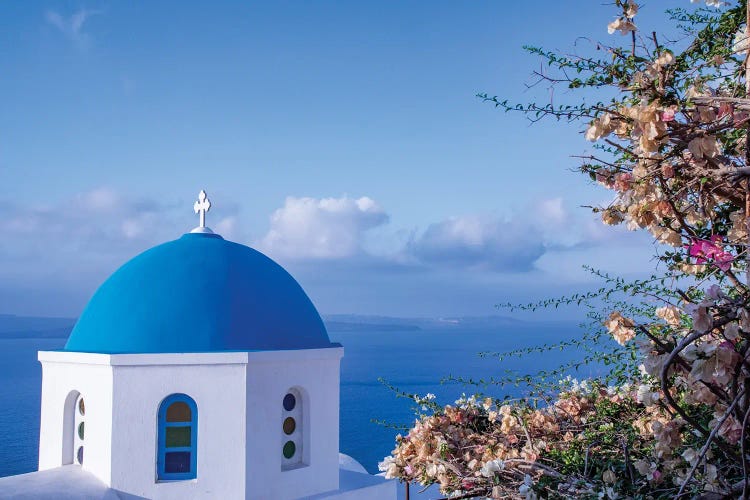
(667, 115)
(726, 109)
(723, 260)
(703, 250)
(623, 181)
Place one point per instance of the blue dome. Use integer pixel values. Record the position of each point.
(199, 293)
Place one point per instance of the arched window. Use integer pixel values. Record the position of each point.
(292, 431)
(178, 438)
(74, 414)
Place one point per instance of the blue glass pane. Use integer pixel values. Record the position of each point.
(289, 402)
(177, 461)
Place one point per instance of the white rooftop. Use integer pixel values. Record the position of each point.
(71, 482)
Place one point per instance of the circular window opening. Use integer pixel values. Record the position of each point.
(80, 431)
(289, 425)
(290, 402)
(289, 449)
(79, 455)
(81, 407)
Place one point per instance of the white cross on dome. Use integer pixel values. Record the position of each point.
(202, 206)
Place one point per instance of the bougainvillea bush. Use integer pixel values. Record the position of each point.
(669, 134)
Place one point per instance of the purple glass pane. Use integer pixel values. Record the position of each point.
(177, 461)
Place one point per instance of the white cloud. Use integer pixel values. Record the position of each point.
(68, 247)
(71, 26)
(226, 227)
(101, 199)
(553, 211)
(478, 242)
(321, 228)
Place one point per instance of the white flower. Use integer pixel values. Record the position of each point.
(670, 314)
(703, 321)
(621, 24)
(490, 468)
(646, 396)
(389, 466)
(732, 331)
(631, 10)
(690, 455)
(431, 470)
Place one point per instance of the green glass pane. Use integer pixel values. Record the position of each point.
(289, 449)
(289, 425)
(179, 412)
(177, 436)
(80, 431)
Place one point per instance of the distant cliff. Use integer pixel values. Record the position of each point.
(356, 322)
(23, 327)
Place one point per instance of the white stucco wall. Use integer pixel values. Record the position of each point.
(239, 399)
(92, 377)
(217, 385)
(270, 374)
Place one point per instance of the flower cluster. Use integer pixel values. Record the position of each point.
(518, 450)
(672, 147)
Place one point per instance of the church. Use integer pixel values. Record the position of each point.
(199, 369)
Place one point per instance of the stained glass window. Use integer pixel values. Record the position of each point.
(292, 432)
(77, 430)
(178, 440)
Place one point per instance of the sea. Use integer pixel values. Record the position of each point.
(414, 361)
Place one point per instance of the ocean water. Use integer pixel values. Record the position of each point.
(414, 361)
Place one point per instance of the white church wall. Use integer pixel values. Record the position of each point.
(216, 382)
(64, 373)
(123, 392)
(270, 374)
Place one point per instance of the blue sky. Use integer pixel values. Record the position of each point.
(341, 138)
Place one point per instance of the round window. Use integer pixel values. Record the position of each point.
(80, 431)
(290, 402)
(79, 455)
(289, 425)
(81, 407)
(289, 449)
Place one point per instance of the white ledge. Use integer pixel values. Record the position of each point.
(190, 358)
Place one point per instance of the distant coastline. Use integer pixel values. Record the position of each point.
(340, 326)
(33, 327)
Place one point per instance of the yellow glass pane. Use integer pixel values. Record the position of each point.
(179, 412)
(289, 425)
